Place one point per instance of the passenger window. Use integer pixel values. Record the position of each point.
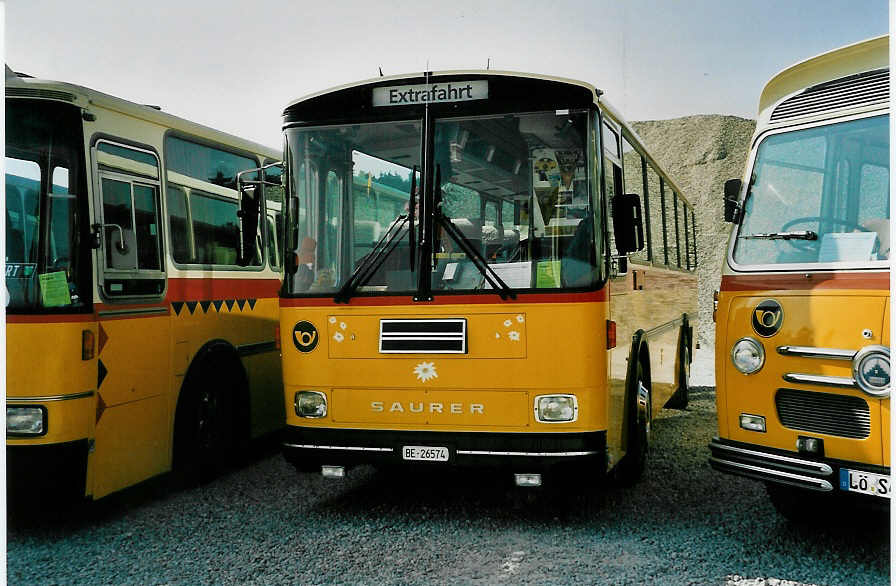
(215, 229)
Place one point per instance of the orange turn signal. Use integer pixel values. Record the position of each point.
(611, 334)
(88, 345)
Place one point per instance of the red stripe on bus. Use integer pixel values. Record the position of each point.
(590, 296)
(211, 289)
(58, 318)
(800, 282)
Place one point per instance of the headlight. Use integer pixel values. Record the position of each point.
(26, 421)
(748, 355)
(871, 370)
(556, 408)
(311, 404)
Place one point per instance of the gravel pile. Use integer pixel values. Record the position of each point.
(264, 524)
(700, 153)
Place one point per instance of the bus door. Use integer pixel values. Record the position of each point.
(132, 427)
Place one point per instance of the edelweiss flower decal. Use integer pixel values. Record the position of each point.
(338, 336)
(332, 319)
(520, 319)
(425, 371)
(514, 335)
(507, 323)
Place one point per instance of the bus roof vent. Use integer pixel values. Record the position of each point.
(423, 336)
(855, 91)
(28, 92)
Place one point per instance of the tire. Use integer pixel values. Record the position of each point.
(680, 399)
(631, 467)
(205, 432)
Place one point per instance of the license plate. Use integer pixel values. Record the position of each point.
(865, 482)
(424, 453)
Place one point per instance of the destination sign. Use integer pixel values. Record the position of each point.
(432, 93)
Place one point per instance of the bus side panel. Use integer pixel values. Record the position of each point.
(132, 431)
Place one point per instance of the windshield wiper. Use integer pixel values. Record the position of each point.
(796, 235)
(382, 249)
(468, 248)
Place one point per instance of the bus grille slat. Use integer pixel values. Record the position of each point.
(15, 92)
(423, 336)
(864, 89)
(838, 415)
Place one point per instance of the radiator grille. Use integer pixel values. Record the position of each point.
(855, 91)
(15, 92)
(423, 336)
(838, 415)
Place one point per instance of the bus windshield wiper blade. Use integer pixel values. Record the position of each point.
(797, 235)
(381, 250)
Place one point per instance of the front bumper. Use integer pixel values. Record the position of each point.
(782, 467)
(46, 473)
(530, 452)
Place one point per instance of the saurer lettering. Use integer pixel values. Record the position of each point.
(420, 407)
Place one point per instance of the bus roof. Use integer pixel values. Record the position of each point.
(863, 56)
(29, 87)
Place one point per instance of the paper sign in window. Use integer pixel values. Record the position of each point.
(847, 246)
(54, 289)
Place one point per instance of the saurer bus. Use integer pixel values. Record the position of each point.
(520, 297)
(803, 311)
(139, 335)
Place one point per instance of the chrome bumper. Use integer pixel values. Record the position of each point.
(771, 466)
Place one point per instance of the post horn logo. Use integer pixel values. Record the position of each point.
(767, 318)
(304, 336)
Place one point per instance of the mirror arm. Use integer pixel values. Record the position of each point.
(121, 247)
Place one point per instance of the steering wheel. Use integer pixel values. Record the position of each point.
(805, 245)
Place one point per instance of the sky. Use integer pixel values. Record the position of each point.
(235, 65)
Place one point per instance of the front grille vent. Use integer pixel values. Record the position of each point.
(855, 91)
(16, 92)
(423, 336)
(839, 415)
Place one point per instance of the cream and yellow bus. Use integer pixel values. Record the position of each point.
(139, 335)
(802, 339)
(521, 296)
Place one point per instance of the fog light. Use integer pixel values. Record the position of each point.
(556, 408)
(26, 420)
(752, 422)
(528, 480)
(311, 404)
(333, 471)
(810, 445)
(748, 355)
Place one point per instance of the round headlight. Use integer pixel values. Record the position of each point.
(748, 355)
(871, 370)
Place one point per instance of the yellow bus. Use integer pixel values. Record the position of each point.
(138, 336)
(803, 310)
(528, 305)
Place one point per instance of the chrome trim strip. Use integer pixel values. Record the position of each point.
(256, 348)
(348, 448)
(49, 398)
(135, 311)
(529, 454)
(814, 352)
(842, 382)
(822, 467)
(819, 483)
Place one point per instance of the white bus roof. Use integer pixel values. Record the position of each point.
(29, 87)
(859, 57)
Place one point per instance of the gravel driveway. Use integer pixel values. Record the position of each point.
(264, 524)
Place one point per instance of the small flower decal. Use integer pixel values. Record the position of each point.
(332, 319)
(342, 325)
(338, 336)
(425, 371)
(514, 335)
(497, 335)
(507, 323)
(520, 319)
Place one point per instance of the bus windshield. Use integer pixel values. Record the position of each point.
(819, 196)
(43, 173)
(513, 206)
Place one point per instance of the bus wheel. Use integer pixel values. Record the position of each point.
(204, 431)
(631, 467)
(679, 400)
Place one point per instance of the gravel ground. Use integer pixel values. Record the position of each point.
(264, 524)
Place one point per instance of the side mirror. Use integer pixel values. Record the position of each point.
(732, 193)
(628, 223)
(248, 214)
